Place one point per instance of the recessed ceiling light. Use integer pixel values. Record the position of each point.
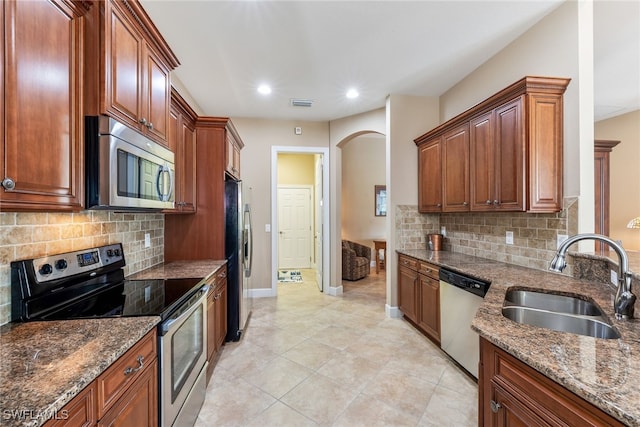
(264, 89)
(352, 93)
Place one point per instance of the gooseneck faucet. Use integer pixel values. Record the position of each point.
(623, 304)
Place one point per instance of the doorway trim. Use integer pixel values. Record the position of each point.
(324, 151)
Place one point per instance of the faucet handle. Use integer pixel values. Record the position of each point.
(624, 305)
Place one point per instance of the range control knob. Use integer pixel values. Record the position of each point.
(116, 252)
(46, 269)
(61, 264)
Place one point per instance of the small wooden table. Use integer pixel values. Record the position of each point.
(380, 244)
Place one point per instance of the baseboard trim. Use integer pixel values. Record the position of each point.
(392, 312)
(261, 293)
(334, 290)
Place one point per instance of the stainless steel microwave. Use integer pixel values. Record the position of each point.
(124, 169)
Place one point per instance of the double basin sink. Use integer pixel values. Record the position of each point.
(560, 312)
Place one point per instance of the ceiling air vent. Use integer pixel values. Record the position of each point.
(301, 102)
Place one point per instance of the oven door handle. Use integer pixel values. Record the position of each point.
(192, 305)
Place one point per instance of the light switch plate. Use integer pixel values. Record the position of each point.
(614, 277)
(443, 231)
(147, 240)
(267, 228)
(509, 238)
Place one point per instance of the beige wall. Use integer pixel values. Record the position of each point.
(363, 167)
(296, 169)
(33, 235)
(259, 136)
(624, 175)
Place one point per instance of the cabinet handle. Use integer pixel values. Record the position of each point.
(223, 275)
(131, 370)
(495, 406)
(8, 184)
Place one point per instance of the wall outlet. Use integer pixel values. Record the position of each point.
(614, 277)
(561, 238)
(147, 240)
(147, 294)
(509, 238)
(443, 231)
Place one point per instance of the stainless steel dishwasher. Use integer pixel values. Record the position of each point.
(460, 297)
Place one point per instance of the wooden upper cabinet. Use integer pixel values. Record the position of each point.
(233, 147)
(42, 125)
(455, 165)
(514, 160)
(133, 75)
(497, 159)
(182, 141)
(430, 171)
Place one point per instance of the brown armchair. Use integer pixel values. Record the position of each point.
(356, 260)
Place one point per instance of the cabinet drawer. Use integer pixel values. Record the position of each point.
(221, 274)
(429, 270)
(408, 262)
(115, 381)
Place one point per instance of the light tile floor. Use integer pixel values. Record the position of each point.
(308, 359)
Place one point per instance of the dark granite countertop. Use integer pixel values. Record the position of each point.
(43, 365)
(604, 372)
(180, 270)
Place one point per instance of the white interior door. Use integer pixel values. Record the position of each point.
(317, 230)
(294, 227)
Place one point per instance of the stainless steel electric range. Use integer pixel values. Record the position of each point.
(90, 284)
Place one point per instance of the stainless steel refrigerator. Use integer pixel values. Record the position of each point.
(238, 252)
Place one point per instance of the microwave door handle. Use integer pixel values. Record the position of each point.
(164, 196)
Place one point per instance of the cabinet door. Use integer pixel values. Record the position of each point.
(123, 68)
(221, 313)
(156, 97)
(79, 412)
(188, 164)
(407, 290)
(430, 177)
(429, 310)
(139, 405)
(509, 165)
(41, 156)
(211, 324)
(233, 158)
(511, 413)
(481, 168)
(455, 161)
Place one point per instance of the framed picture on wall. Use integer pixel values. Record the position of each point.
(381, 200)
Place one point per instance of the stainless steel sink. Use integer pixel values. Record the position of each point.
(590, 326)
(557, 312)
(552, 302)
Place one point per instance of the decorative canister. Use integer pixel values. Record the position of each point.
(434, 242)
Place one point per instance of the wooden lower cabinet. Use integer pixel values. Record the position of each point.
(125, 394)
(419, 295)
(216, 318)
(511, 393)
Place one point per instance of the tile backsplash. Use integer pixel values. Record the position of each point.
(32, 235)
(482, 234)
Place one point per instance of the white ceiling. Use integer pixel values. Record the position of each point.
(318, 49)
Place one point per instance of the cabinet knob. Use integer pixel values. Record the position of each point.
(495, 202)
(143, 121)
(488, 202)
(150, 126)
(495, 406)
(464, 203)
(8, 184)
(439, 205)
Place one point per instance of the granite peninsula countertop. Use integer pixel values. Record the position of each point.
(43, 365)
(180, 270)
(605, 372)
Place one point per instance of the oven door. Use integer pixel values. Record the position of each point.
(183, 359)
